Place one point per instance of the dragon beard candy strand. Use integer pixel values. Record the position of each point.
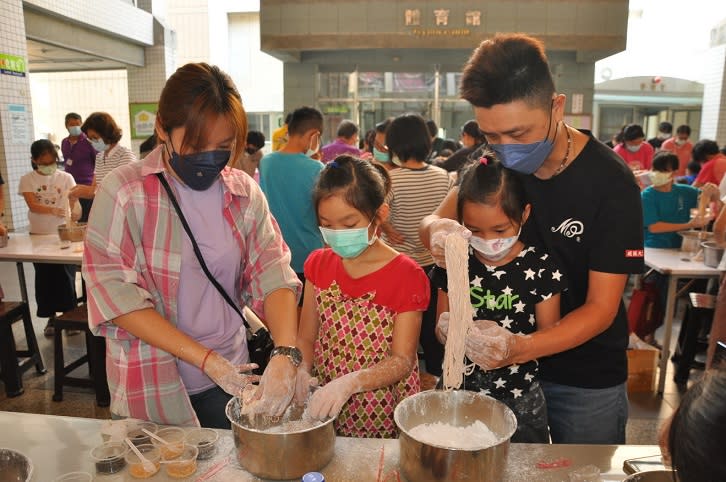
(460, 317)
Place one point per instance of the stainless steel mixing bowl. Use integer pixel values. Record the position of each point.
(651, 476)
(280, 456)
(14, 466)
(422, 462)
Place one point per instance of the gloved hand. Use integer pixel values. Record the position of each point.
(439, 230)
(303, 383)
(442, 327)
(490, 346)
(328, 400)
(277, 387)
(229, 377)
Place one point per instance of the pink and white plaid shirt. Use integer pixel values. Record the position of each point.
(132, 261)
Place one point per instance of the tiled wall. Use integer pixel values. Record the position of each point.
(713, 114)
(14, 157)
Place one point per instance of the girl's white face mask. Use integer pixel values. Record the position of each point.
(494, 249)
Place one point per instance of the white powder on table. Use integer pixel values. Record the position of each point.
(472, 437)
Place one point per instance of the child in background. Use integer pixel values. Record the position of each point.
(361, 315)
(46, 192)
(515, 286)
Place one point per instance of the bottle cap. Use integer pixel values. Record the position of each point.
(313, 477)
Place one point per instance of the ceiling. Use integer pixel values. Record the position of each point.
(43, 57)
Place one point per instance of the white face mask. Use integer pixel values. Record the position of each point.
(658, 178)
(632, 148)
(680, 142)
(494, 249)
(396, 161)
(310, 152)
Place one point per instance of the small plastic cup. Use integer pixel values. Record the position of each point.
(184, 465)
(174, 438)
(136, 466)
(205, 439)
(109, 457)
(74, 477)
(137, 435)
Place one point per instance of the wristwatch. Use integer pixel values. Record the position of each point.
(293, 353)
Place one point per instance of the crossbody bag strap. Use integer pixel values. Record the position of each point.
(197, 252)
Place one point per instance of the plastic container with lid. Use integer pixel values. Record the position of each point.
(184, 464)
(205, 439)
(109, 457)
(174, 438)
(137, 469)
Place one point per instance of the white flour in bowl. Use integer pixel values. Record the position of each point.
(472, 437)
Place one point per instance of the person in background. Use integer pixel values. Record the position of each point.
(250, 159)
(366, 142)
(176, 350)
(345, 143)
(104, 135)
(380, 149)
(713, 163)
(45, 190)
(692, 170)
(417, 188)
(491, 203)
(665, 129)
(358, 328)
(681, 147)
(147, 146)
(437, 143)
(595, 237)
(279, 135)
(636, 153)
(287, 177)
(79, 158)
(472, 139)
(616, 139)
(694, 437)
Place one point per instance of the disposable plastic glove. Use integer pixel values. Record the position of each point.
(328, 400)
(439, 230)
(277, 387)
(304, 382)
(489, 345)
(229, 377)
(442, 327)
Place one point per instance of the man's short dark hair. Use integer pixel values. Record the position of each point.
(347, 129)
(432, 127)
(665, 127)
(73, 116)
(304, 119)
(256, 138)
(665, 161)
(508, 68)
(703, 149)
(684, 129)
(632, 132)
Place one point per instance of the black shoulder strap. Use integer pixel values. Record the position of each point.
(183, 220)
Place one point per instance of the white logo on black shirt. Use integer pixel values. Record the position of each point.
(570, 228)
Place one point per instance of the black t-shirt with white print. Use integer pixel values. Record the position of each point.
(588, 218)
(508, 294)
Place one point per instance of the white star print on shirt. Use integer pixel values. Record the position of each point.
(477, 281)
(499, 274)
(539, 272)
(529, 274)
(507, 322)
(513, 369)
(519, 307)
(557, 275)
(484, 391)
(544, 257)
(507, 290)
(499, 383)
(531, 319)
(529, 377)
(546, 297)
(516, 392)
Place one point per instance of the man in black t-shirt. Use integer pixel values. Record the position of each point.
(586, 214)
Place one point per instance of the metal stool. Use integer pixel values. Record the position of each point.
(12, 369)
(77, 319)
(699, 312)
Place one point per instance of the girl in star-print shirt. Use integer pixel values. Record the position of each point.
(515, 285)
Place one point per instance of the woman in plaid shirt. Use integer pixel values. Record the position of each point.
(174, 346)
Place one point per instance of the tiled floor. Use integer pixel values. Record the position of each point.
(647, 410)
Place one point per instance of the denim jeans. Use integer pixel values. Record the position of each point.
(209, 407)
(586, 415)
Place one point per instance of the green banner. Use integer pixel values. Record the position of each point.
(12, 65)
(143, 116)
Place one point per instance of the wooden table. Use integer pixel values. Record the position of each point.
(676, 265)
(57, 445)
